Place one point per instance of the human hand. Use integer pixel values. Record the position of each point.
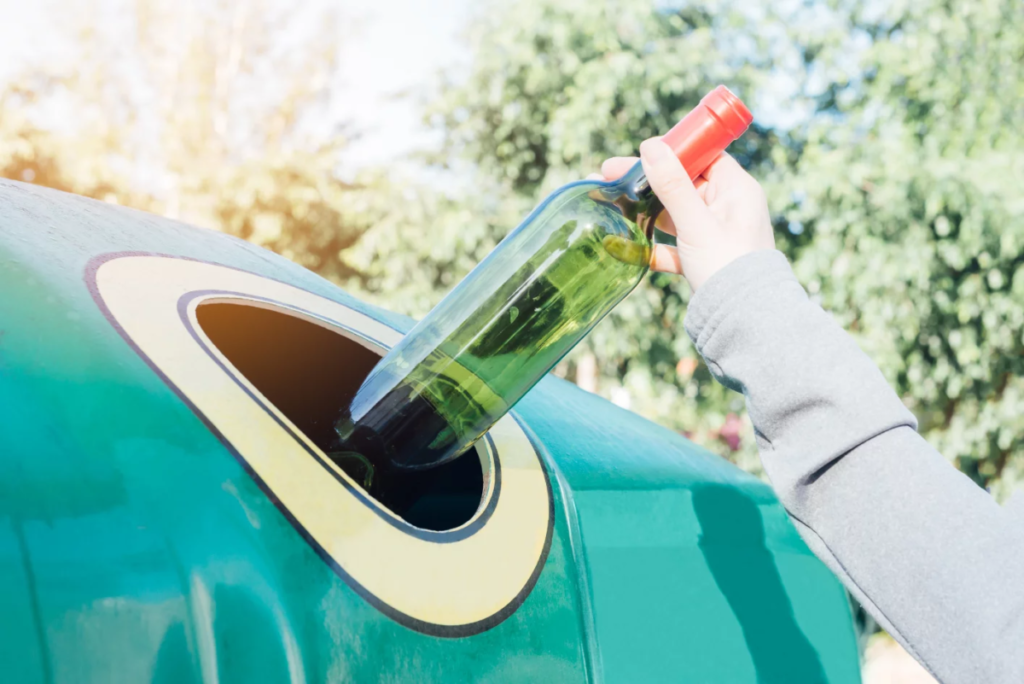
(717, 220)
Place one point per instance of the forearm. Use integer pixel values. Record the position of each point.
(930, 554)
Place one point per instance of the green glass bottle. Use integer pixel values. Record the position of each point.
(576, 256)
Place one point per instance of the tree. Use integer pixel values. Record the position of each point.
(891, 154)
(893, 170)
(908, 191)
(216, 113)
(555, 88)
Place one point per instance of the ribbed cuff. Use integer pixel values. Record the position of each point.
(738, 284)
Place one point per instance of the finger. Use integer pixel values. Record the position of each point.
(723, 169)
(701, 186)
(664, 220)
(665, 224)
(671, 183)
(595, 176)
(665, 259)
(616, 167)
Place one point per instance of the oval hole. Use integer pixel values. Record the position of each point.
(309, 371)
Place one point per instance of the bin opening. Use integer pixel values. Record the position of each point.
(309, 370)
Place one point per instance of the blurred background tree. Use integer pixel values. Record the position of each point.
(895, 176)
(211, 112)
(908, 191)
(888, 141)
(555, 87)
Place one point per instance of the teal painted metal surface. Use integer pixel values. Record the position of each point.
(695, 573)
(134, 546)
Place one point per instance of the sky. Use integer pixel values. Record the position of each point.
(396, 47)
(24, 35)
(390, 52)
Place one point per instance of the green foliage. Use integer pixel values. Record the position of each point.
(894, 172)
(556, 87)
(908, 187)
(888, 141)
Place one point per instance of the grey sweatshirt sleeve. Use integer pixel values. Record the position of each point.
(928, 553)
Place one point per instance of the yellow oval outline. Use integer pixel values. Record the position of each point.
(488, 458)
(448, 589)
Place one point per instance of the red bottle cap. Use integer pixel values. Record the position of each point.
(705, 132)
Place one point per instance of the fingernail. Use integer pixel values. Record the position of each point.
(655, 150)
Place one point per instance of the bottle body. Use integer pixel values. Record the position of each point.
(504, 326)
(522, 309)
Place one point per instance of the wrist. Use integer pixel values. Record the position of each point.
(744, 277)
(700, 268)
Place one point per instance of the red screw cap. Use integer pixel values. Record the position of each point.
(705, 132)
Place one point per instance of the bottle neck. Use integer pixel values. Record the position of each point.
(644, 205)
(636, 181)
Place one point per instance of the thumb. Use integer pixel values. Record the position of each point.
(672, 184)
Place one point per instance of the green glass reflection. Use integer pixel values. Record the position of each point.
(502, 328)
